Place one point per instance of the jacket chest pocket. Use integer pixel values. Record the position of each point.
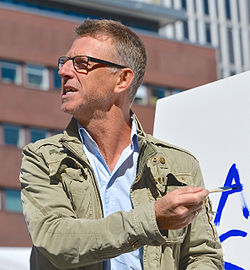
(79, 190)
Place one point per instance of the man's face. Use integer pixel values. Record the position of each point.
(89, 92)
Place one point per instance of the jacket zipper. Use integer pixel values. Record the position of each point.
(96, 188)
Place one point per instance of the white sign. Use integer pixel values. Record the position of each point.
(14, 258)
(213, 123)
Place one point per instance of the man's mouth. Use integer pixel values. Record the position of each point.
(69, 90)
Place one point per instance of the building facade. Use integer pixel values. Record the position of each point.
(33, 35)
(222, 24)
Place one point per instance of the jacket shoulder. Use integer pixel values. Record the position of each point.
(167, 146)
(53, 141)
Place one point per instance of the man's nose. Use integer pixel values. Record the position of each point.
(67, 69)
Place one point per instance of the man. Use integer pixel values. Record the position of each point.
(105, 195)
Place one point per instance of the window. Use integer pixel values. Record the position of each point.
(157, 92)
(248, 12)
(13, 200)
(230, 45)
(195, 6)
(37, 134)
(217, 8)
(57, 132)
(208, 33)
(238, 10)
(219, 42)
(37, 76)
(13, 135)
(184, 4)
(185, 29)
(56, 79)
(206, 8)
(141, 95)
(10, 72)
(176, 91)
(197, 29)
(228, 9)
(241, 50)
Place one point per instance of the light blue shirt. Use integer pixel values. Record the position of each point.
(115, 189)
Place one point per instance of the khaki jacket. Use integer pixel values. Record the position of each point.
(63, 209)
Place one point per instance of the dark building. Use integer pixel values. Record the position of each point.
(33, 35)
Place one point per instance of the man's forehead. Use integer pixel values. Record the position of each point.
(88, 43)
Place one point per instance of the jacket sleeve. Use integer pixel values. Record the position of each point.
(68, 241)
(201, 249)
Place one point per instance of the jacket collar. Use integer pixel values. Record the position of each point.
(71, 132)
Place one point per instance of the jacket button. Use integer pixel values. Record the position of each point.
(162, 160)
(159, 180)
(155, 159)
(134, 246)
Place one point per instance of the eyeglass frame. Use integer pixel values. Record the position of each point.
(89, 59)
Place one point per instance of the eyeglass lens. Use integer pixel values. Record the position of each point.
(79, 62)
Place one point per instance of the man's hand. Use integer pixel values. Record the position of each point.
(178, 208)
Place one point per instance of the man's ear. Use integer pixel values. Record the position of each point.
(124, 80)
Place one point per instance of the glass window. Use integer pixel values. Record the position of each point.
(208, 33)
(10, 72)
(37, 76)
(206, 8)
(196, 29)
(37, 134)
(157, 92)
(241, 50)
(141, 95)
(219, 42)
(13, 200)
(228, 9)
(57, 132)
(184, 4)
(248, 13)
(185, 29)
(168, 92)
(217, 8)
(230, 45)
(176, 91)
(56, 79)
(13, 135)
(195, 6)
(238, 10)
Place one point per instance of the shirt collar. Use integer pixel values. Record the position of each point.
(88, 141)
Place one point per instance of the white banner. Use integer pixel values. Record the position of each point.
(213, 123)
